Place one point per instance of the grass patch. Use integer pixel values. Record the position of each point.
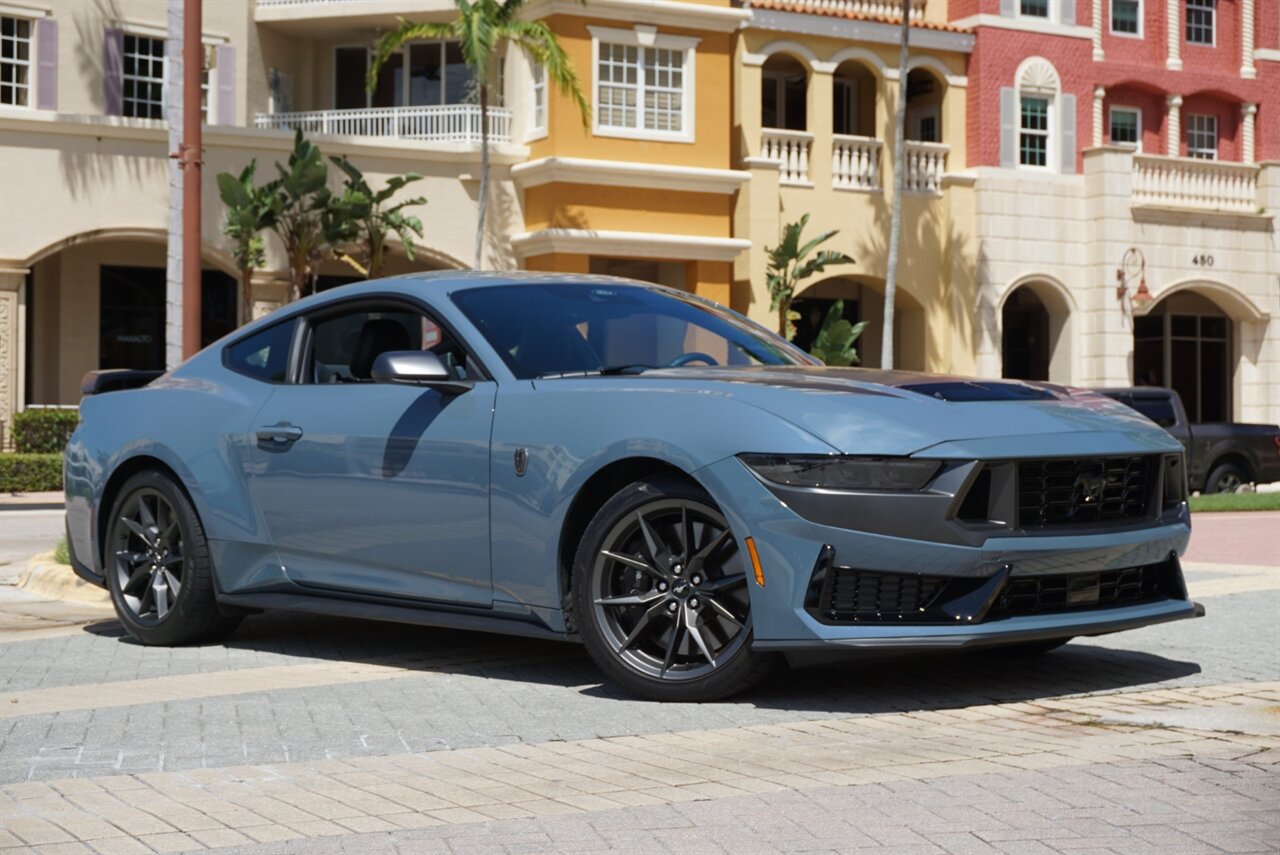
(1236, 502)
(60, 552)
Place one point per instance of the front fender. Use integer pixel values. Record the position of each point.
(574, 429)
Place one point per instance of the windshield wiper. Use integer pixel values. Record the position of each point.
(603, 371)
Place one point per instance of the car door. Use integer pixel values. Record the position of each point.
(372, 488)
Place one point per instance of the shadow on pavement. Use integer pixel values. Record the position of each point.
(886, 684)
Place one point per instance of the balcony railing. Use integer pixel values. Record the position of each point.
(448, 123)
(925, 165)
(790, 150)
(855, 163)
(1183, 182)
(857, 8)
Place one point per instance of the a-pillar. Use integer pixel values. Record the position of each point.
(13, 344)
(1248, 112)
(1173, 126)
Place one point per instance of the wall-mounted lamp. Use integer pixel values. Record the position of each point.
(1133, 266)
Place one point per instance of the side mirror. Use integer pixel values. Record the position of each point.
(417, 368)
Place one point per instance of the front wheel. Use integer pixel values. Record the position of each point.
(660, 595)
(158, 568)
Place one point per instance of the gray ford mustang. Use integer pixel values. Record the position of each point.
(620, 464)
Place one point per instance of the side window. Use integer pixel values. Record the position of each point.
(343, 347)
(264, 355)
(1159, 410)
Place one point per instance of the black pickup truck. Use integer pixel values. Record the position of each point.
(1220, 456)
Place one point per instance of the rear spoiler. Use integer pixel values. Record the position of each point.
(115, 380)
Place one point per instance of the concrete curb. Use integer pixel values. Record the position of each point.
(47, 578)
(47, 501)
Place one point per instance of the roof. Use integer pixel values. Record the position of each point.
(807, 8)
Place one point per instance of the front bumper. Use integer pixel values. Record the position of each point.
(791, 549)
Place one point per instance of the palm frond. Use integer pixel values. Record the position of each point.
(540, 44)
(407, 31)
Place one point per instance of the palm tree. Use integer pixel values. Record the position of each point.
(248, 213)
(481, 29)
(790, 264)
(899, 183)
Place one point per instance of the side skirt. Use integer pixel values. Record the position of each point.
(368, 609)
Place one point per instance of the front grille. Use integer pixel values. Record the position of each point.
(866, 595)
(1038, 595)
(1071, 491)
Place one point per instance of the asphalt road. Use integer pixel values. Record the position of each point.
(23, 534)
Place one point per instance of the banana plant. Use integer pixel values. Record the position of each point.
(300, 201)
(365, 219)
(835, 340)
(790, 263)
(248, 212)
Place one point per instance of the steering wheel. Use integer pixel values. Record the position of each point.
(686, 358)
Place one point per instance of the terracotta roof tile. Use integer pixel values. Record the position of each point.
(835, 12)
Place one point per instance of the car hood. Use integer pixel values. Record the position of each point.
(868, 411)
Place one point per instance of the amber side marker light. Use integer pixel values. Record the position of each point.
(755, 561)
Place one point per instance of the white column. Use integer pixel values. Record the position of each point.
(1174, 125)
(1173, 62)
(1099, 93)
(1247, 112)
(1098, 55)
(1246, 40)
(13, 343)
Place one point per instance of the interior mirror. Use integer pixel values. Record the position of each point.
(417, 368)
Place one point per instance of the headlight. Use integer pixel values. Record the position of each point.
(834, 472)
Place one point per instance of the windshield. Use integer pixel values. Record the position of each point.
(545, 329)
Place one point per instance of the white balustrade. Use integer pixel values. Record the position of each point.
(863, 8)
(855, 163)
(447, 123)
(790, 150)
(1185, 182)
(925, 163)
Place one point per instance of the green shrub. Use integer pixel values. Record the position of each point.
(61, 553)
(30, 473)
(43, 431)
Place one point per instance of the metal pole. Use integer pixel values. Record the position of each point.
(173, 262)
(193, 63)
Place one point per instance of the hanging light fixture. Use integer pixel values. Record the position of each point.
(1133, 266)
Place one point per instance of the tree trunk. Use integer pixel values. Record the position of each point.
(483, 200)
(899, 183)
(246, 299)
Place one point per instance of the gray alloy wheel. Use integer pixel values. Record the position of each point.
(661, 594)
(157, 565)
(146, 553)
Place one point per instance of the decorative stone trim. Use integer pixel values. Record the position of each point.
(1247, 69)
(631, 244)
(1173, 60)
(616, 173)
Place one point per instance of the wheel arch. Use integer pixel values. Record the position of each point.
(111, 491)
(1232, 457)
(594, 492)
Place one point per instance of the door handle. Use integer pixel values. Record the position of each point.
(279, 434)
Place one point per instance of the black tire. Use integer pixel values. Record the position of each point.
(693, 590)
(153, 542)
(1225, 478)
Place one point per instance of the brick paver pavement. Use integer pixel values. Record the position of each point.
(314, 735)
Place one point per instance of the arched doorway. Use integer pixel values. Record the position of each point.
(1185, 342)
(1024, 337)
(1035, 341)
(784, 93)
(925, 91)
(853, 108)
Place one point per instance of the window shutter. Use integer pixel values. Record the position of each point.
(46, 64)
(1008, 8)
(226, 81)
(113, 73)
(1069, 12)
(1008, 126)
(1067, 117)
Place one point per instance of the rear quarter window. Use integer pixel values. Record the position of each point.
(263, 355)
(1158, 409)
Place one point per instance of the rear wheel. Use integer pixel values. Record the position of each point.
(660, 595)
(158, 567)
(1226, 478)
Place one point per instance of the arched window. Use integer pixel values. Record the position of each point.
(1037, 120)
